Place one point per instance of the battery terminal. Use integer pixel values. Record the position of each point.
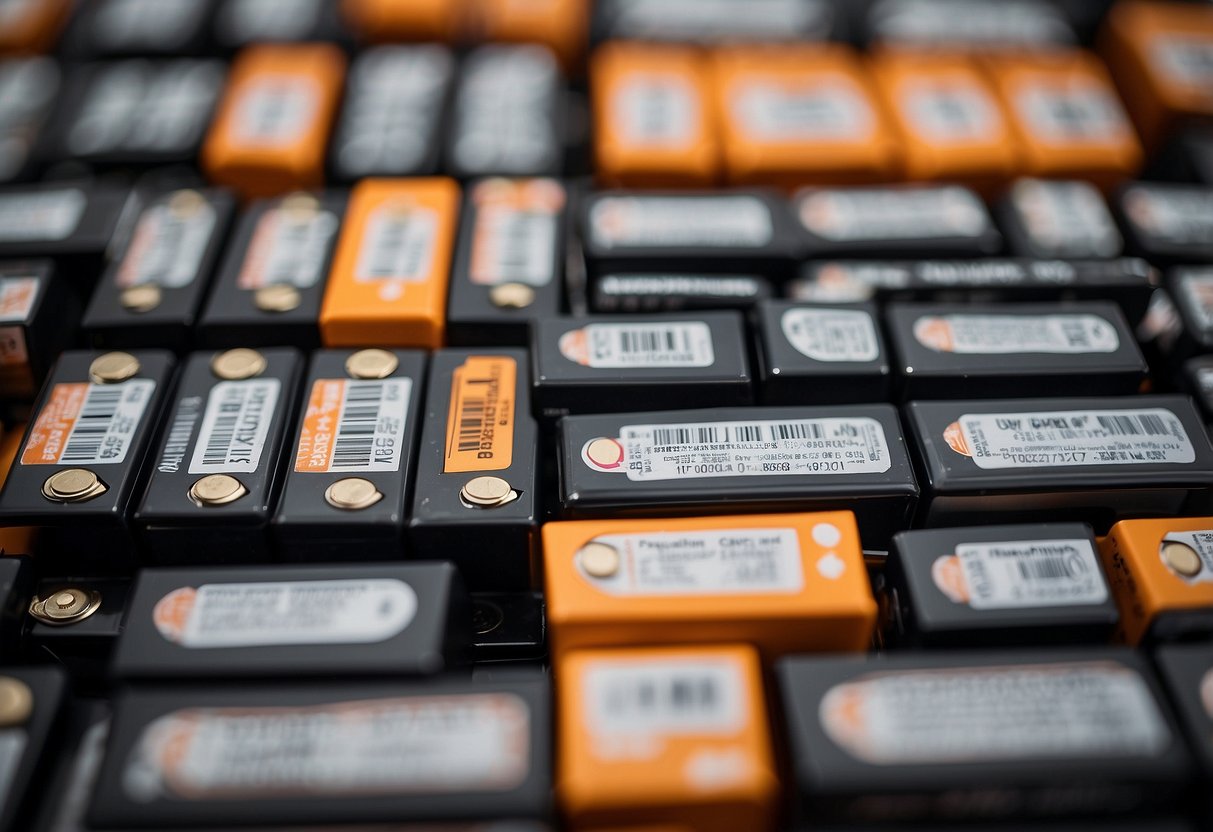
(487, 492)
(67, 606)
(73, 485)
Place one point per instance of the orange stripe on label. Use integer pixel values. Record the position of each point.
(480, 420)
(55, 421)
(315, 452)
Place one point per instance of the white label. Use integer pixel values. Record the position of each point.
(40, 215)
(1196, 287)
(1029, 24)
(125, 24)
(281, 613)
(274, 110)
(12, 747)
(289, 247)
(168, 246)
(235, 426)
(1079, 112)
(1015, 334)
(674, 696)
(949, 112)
(710, 222)
(1064, 439)
(659, 345)
(656, 110)
(1021, 574)
(1070, 219)
(1178, 214)
(707, 450)
(408, 745)
(17, 296)
(830, 107)
(398, 245)
(711, 21)
(1186, 60)
(903, 214)
(1025, 712)
(514, 246)
(242, 21)
(1200, 542)
(102, 430)
(723, 562)
(831, 335)
(354, 426)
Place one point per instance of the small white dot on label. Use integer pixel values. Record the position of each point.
(826, 534)
(831, 566)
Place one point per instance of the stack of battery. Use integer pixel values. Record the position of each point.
(622, 415)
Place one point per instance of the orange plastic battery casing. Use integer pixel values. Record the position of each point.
(654, 124)
(684, 581)
(1067, 116)
(951, 122)
(559, 25)
(1161, 55)
(388, 282)
(31, 26)
(622, 761)
(802, 115)
(272, 127)
(400, 20)
(14, 540)
(1144, 585)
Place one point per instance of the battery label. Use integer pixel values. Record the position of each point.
(710, 222)
(707, 450)
(1196, 286)
(1068, 218)
(271, 614)
(1064, 439)
(275, 109)
(656, 110)
(1173, 215)
(480, 420)
(1014, 334)
(354, 426)
(710, 21)
(854, 215)
(1200, 542)
(950, 112)
(41, 215)
(235, 426)
(831, 334)
(242, 21)
(660, 345)
(662, 698)
(88, 424)
(1021, 574)
(1029, 24)
(177, 443)
(168, 246)
(829, 107)
(152, 22)
(1187, 60)
(724, 562)
(625, 287)
(289, 247)
(514, 236)
(399, 244)
(1077, 112)
(407, 745)
(17, 296)
(1023, 712)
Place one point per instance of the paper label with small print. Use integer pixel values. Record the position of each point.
(354, 426)
(723, 562)
(445, 743)
(671, 697)
(275, 110)
(1175, 215)
(659, 345)
(480, 415)
(234, 426)
(17, 296)
(288, 247)
(1016, 334)
(831, 335)
(826, 108)
(952, 111)
(276, 613)
(1074, 112)
(658, 110)
(996, 713)
(40, 215)
(1064, 439)
(1067, 218)
(88, 424)
(652, 221)
(708, 450)
(398, 244)
(1200, 542)
(167, 247)
(877, 214)
(1187, 60)
(515, 232)
(1021, 574)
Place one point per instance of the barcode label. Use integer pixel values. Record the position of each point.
(40, 215)
(235, 426)
(673, 696)
(513, 247)
(288, 247)
(656, 110)
(1066, 219)
(1186, 59)
(920, 213)
(831, 335)
(802, 447)
(656, 222)
(829, 108)
(1016, 334)
(950, 112)
(275, 111)
(1022, 574)
(480, 415)
(1070, 438)
(168, 246)
(17, 296)
(398, 245)
(354, 426)
(660, 345)
(1077, 112)
(88, 424)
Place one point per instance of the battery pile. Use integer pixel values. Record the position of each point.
(650, 415)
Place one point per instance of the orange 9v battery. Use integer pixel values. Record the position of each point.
(800, 115)
(1161, 572)
(951, 124)
(388, 283)
(783, 583)
(270, 133)
(673, 736)
(1068, 118)
(653, 117)
(416, 20)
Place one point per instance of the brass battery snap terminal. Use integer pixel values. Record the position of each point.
(67, 606)
(1182, 559)
(73, 485)
(142, 298)
(487, 492)
(277, 297)
(371, 364)
(599, 560)
(512, 296)
(352, 494)
(16, 702)
(113, 368)
(216, 490)
(238, 364)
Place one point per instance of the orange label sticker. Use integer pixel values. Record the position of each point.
(17, 296)
(354, 426)
(480, 420)
(87, 424)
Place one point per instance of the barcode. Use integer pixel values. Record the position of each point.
(290, 250)
(520, 242)
(400, 246)
(1134, 425)
(712, 435)
(355, 443)
(1045, 569)
(223, 429)
(650, 696)
(471, 424)
(161, 255)
(92, 425)
(652, 340)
